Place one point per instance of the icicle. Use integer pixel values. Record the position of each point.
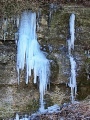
(72, 83)
(17, 117)
(4, 27)
(69, 46)
(72, 19)
(38, 19)
(29, 54)
(17, 21)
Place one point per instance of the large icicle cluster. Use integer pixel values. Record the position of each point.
(29, 55)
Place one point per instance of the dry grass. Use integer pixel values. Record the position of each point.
(77, 111)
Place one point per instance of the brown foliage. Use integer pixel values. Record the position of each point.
(77, 111)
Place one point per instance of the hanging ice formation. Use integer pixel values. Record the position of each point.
(72, 31)
(4, 28)
(72, 83)
(52, 8)
(30, 56)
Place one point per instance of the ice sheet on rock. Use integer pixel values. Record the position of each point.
(54, 108)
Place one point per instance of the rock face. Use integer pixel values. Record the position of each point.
(52, 31)
(13, 97)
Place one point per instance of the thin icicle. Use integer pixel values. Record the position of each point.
(72, 30)
(17, 21)
(69, 46)
(72, 83)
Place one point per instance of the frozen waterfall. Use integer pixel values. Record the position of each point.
(72, 83)
(29, 55)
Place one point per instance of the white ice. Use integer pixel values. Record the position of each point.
(51, 109)
(72, 30)
(29, 55)
(72, 83)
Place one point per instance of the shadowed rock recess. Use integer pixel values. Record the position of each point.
(52, 32)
